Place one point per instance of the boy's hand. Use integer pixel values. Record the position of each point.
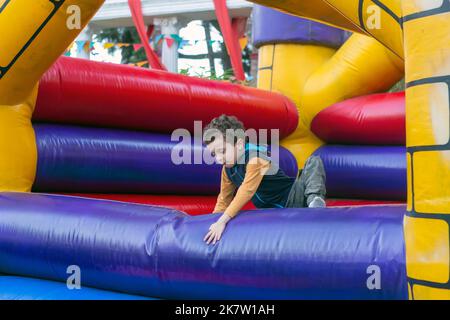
(216, 230)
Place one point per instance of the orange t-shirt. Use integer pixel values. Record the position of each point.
(226, 201)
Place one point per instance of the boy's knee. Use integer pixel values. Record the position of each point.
(314, 176)
(314, 163)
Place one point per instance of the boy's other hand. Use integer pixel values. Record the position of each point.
(215, 232)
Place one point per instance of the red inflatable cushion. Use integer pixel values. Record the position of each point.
(83, 92)
(377, 119)
(197, 205)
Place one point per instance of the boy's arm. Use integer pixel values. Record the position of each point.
(225, 197)
(255, 170)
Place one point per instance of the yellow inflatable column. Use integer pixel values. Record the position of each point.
(427, 53)
(285, 68)
(34, 34)
(316, 77)
(361, 66)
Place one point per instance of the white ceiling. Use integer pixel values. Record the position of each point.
(116, 13)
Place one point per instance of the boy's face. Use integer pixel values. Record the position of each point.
(225, 152)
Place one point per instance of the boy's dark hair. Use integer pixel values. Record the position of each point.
(228, 126)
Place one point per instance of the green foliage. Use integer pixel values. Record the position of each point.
(205, 73)
(123, 35)
(399, 86)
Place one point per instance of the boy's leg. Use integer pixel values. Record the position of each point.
(313, 178)
(296, 198)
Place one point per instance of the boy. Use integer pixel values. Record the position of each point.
(246, 168)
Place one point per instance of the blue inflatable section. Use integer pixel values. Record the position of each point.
(158, 252)
(18, 288)
(365, 172)
(81, 159)
(272, 26)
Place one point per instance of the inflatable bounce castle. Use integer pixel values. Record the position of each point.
(87, 180)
